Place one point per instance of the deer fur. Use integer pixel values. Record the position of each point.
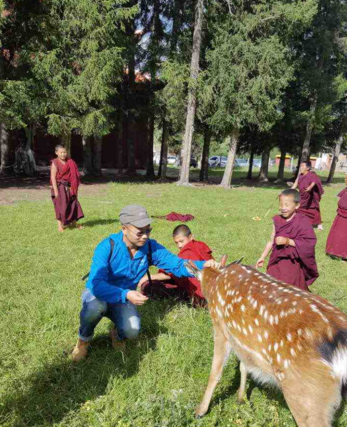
(282, 335)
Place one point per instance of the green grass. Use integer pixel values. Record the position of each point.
(161, 377)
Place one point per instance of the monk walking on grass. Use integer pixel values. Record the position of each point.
(337, 240)
(292, 245)
(311, 192)
(65, 180)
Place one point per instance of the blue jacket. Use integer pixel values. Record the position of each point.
(111, 281)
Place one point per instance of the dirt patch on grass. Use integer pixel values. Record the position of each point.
(15, 189)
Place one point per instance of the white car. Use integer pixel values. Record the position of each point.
(217, 161)
(171, 160)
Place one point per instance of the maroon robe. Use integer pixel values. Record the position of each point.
(67, 207)
(309, 201)
(337, 239)
(187, 288)
(294, 265)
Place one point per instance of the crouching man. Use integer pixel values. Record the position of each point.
(118, 264)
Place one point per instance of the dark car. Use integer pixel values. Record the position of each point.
(193, 162)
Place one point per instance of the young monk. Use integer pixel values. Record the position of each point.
(337, 240)
(292, 245)
(165, 284)
(311, 192)
(65, 180)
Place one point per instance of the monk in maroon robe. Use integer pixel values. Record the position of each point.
(292, 245)
(184, 288)
(337, 240)
(65, 180)
(311, 192)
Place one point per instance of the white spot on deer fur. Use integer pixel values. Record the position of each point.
(240, 276)
(289, 337)
(256, 321)
(264, 351)
(261, 310)
(266, 315)
(292, 352)
(259, 338)
(234, 324)
(232, 292)
(250, 329)
(219, 312)
(281, 376)
(239, 299)
(276, 346)
(243, 308)
(271, 319)
(276, 319)
(266, 335)
(220, 299)
(239, 327)
(270, 346)
(294, 303)
(255, 304)
(299, 331)
(282, 314)
(299, 347)
(281, 343)
(339, 364)
(278, 358)
(245, 331)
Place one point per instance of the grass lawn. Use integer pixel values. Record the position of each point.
(162, 376)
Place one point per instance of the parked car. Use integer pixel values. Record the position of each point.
(171, 160)
(217, 161)
(241, 163)
(193, 162)
(257, 163)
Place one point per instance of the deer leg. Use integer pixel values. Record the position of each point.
(220, 356)
(313, 399)
(242, 389)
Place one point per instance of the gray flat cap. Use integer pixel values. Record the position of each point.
(135, 215)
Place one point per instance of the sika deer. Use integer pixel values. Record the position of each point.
(282, 335)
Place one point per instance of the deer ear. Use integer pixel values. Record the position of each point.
(236, 262)
(223, 261)
(192, 268)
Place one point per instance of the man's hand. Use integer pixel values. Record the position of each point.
(260, 263)
(143, 280)
(56, 194)
(136, 297)
(211, 263)
(280, 240)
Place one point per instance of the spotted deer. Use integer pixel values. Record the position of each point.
(282, 335)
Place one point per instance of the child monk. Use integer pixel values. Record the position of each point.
(292, 245)
(337, 240)
(165, 284)
(311, 192)
(65, 180)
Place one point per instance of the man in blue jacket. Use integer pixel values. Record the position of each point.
(119, 262)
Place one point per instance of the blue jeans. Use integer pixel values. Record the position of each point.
(125, 317)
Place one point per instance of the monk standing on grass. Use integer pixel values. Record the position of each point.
(188, 288)
(65, 180)
(337, 240)
(292, 245)
(311, 192)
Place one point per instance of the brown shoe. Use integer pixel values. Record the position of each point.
(80, 351)
(116, 344)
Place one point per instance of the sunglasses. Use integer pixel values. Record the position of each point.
(140, 233)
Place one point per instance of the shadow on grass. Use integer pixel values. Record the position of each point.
(56, 388)
(96, 222)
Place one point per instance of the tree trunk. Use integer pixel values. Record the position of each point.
(97, 149)
(205, 156)
(4, 150)
(280, 174)
(66, 140)
(87, 156)
(264, 169)
(305, 153)
(194, 71)
(164, 150)
(228, 173)
(250, 166)
(150, 142)
(337, 150)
